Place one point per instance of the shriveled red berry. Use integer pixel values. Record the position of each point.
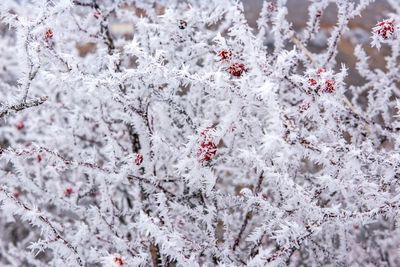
(237, 69)
(271, 7)
(182, 24)
(225, 55)
(329, 86)
(119, 261)
(68, 192)
(20, 125)
(138, 159)
(304, 107)
(319, 13)
(49, 34)
(39, 158)
(97, 14)
(16, 195)
(385, 29)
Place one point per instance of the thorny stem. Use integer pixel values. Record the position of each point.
(319, 223)
(45, 220)
(346, 100)
(89, 165)
(23, 105)
(249, 213)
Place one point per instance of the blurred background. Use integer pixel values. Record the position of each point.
(298, 16)
(359, 34)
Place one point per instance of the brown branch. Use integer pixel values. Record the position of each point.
(92, 4)
(248, 214)
(160, 187)
(23, 105)
(155, 254)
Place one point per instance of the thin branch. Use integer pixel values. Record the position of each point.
(45, 220)
(23, 105)
(249, 213)
(90, 165)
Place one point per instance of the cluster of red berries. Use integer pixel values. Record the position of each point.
(207, 147)
(235, 69)
(385, 29)
(329, 85)
(225, 55)
(49, 34)
(138, 159)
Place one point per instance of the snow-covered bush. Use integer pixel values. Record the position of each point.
(171, 133)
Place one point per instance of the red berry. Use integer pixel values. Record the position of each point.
(329, 86)
(312, 82)
(16, 195)
(49, 34)
(356, 226)
(225, 55)
(138, 159)
(320, 71)
(20, 125)
(119, 261)
(264, 196)
(39, 158)
(385, 29)
(319, 13)
(68, 192)
(207, 133)
(236, 69)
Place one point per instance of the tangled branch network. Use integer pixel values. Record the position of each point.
(177, 133)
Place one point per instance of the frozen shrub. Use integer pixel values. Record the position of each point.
(171, 133)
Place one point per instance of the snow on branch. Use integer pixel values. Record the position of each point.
(197, 133)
